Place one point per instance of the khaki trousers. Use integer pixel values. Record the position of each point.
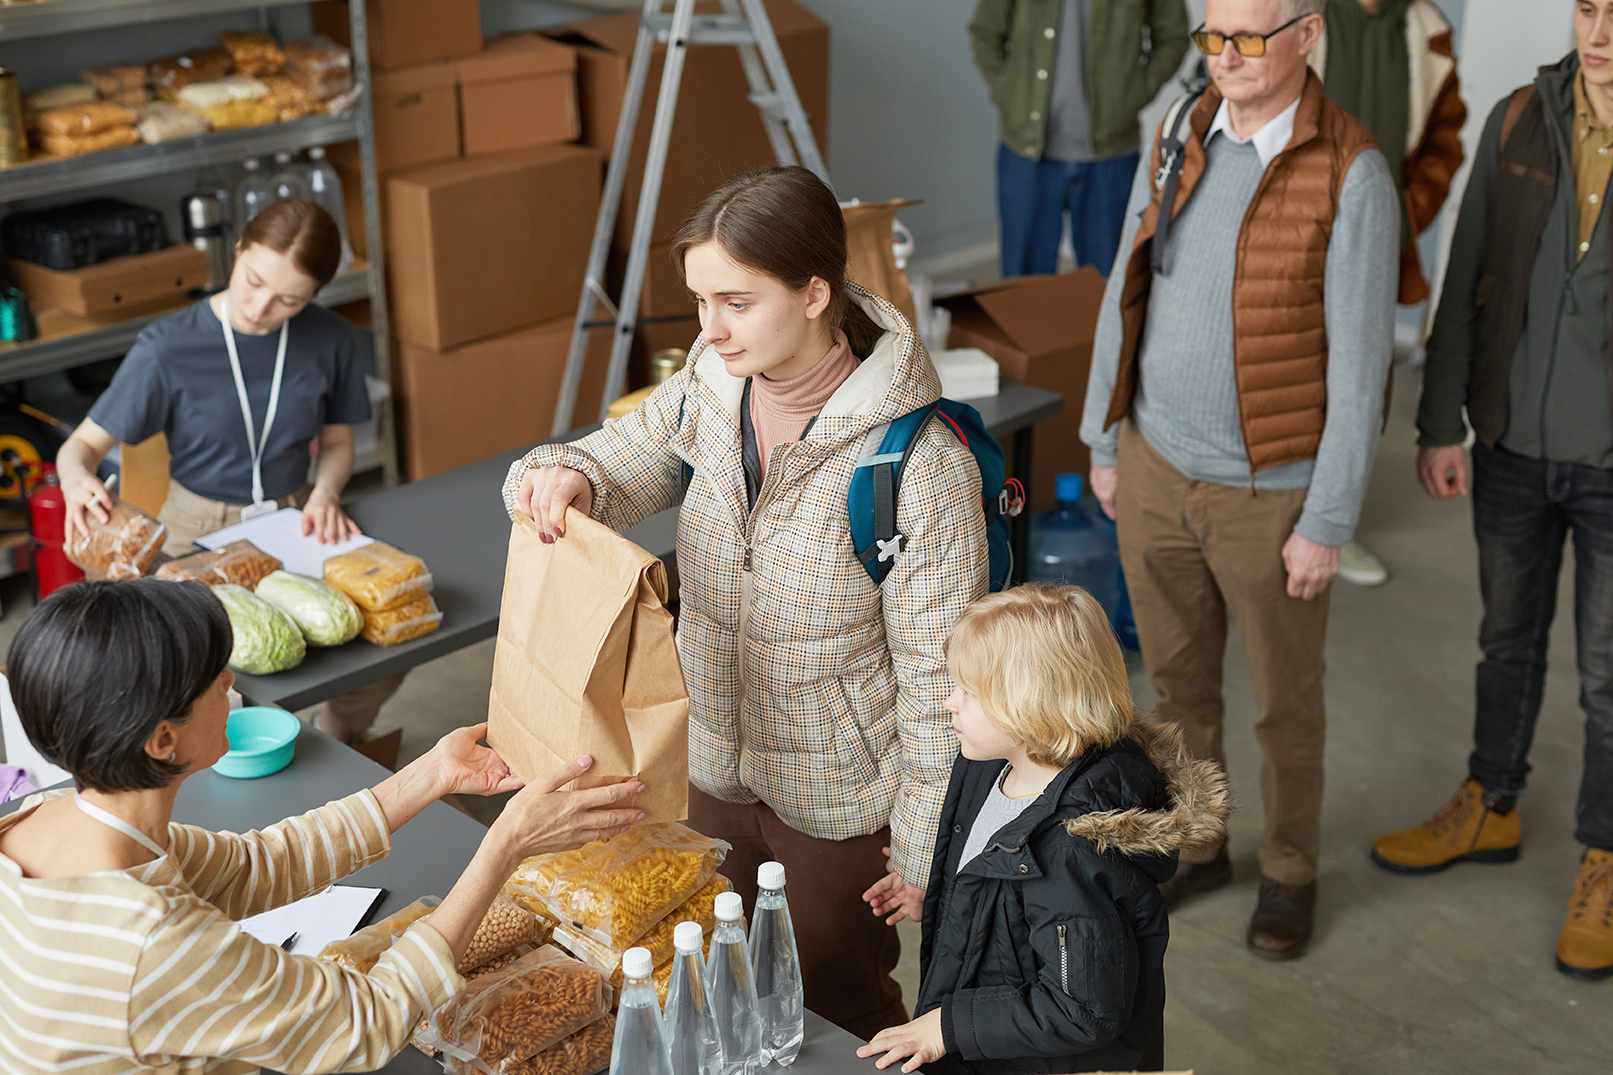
(1196, 553)
(189, 516)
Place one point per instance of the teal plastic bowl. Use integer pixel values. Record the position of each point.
(261, 742)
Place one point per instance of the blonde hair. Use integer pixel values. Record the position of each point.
(1046, 667)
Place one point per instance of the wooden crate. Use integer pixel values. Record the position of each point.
(114, 285)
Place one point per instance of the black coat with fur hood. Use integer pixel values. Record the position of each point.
(1046, 953)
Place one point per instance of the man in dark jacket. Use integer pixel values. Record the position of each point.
(1055, 934)
(1069, 78)
(1522, 341)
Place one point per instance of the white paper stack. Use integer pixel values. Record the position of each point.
(966, 373)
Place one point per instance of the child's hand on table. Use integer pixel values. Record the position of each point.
(891, 895)
(920, 1040)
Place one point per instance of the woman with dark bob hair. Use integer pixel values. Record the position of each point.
(121, 951)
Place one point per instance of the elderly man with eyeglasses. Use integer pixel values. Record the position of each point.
(1236, 398)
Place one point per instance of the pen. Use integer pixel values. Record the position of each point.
(289, 941)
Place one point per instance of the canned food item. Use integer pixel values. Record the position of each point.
(665, 362)
(13, 135)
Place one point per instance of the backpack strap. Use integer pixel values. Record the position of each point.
(895, 445)
(750, 454)
(1169, 176)
(1520, 99)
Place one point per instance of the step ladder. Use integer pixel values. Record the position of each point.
(742, 24)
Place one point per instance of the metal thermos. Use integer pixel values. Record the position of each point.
(665, 362)
(205, 229)
(13, 136)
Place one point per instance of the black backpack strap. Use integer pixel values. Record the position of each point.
(1169, 177)
(749, 454)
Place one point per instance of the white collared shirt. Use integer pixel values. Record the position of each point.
(1269, 140)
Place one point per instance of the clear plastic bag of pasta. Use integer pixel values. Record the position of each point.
(701, 908)
(510, 1016)
(635, 880)
(378, 576)
(587, 1052)
(361, 951)
(123, 547)
(539, 873)
(404, 623)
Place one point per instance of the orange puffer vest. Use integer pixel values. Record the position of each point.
(1278, 325)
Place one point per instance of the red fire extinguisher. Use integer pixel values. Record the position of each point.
(47, 510)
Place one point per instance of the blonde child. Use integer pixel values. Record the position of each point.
(1044, 930)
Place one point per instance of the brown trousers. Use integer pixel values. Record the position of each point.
(847, 952)
(1195, 553)
(189, 516)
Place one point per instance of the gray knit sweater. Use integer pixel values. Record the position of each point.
(1187, 402)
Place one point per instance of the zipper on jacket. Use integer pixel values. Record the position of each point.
(747, 588)
(1064, 959)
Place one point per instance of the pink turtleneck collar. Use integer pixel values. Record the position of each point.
(779, 410)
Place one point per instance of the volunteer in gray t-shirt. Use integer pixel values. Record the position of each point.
(242, 384)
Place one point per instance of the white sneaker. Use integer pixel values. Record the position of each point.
(1357, 564)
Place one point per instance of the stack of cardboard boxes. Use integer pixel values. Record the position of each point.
(491, 156)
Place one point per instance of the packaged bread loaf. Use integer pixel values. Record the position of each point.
(64, 96)
(160, 121)
(108, 82)
(76, 145)
(320, 66)
(124, 547)
(378, 576)
(170, 76)
(80, 120)
(222, 91)
(253, 54)
(240, 562)
(512, 1015)
(403, 623)
(129, 98)
(289, 100)
(635, 881)
(360, 951)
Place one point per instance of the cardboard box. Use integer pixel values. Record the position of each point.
(416, 113)
(114, 285)
(405, 32)
(1039, 329)
(496, 395)
(704, 151)
(518, 93)
(481, 246)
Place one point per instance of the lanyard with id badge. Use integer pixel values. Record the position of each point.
(256, 444)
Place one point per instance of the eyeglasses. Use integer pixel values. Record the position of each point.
(1211, 43)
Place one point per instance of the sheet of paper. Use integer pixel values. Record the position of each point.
(19, 751)
(316, 921)
(280, 535)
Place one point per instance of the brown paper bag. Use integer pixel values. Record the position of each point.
(586, 664)
(870, 260)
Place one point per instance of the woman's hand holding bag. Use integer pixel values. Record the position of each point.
(545, 494)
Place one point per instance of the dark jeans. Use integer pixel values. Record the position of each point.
(1033, 196)
(1523, 509)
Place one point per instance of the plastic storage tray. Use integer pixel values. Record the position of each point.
(67, 237)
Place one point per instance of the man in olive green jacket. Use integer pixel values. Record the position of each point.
(1069, 78)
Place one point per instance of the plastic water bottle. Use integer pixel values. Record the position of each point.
(691, 1028)
(733, 992)
(776, 962)
(252, 194)
(640, 1044)
(325, 187)
(1069, 549)
(287, 181)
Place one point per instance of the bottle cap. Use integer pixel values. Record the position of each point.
(316, 153)
(688, 936)
(729, 907)
(770, 875)
(1068, 486)
(637, 963)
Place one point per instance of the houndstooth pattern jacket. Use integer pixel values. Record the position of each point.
(811, 689)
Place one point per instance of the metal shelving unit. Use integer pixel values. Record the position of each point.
(90, 342)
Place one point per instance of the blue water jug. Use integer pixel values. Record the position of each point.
(1071, 548)
(1123, 622)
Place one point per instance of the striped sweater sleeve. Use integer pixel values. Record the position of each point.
(247, 874)
(204, 989)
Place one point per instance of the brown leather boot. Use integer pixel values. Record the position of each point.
(1281, 926)
(1473, 827)
(1585, 949)
(1194, 878)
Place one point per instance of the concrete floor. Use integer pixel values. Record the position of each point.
(1449, 973)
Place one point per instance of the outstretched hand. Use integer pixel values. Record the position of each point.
(892, 896)
(921, 1041)
(465, 767)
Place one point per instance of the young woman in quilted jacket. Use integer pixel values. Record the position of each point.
(818, 735)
